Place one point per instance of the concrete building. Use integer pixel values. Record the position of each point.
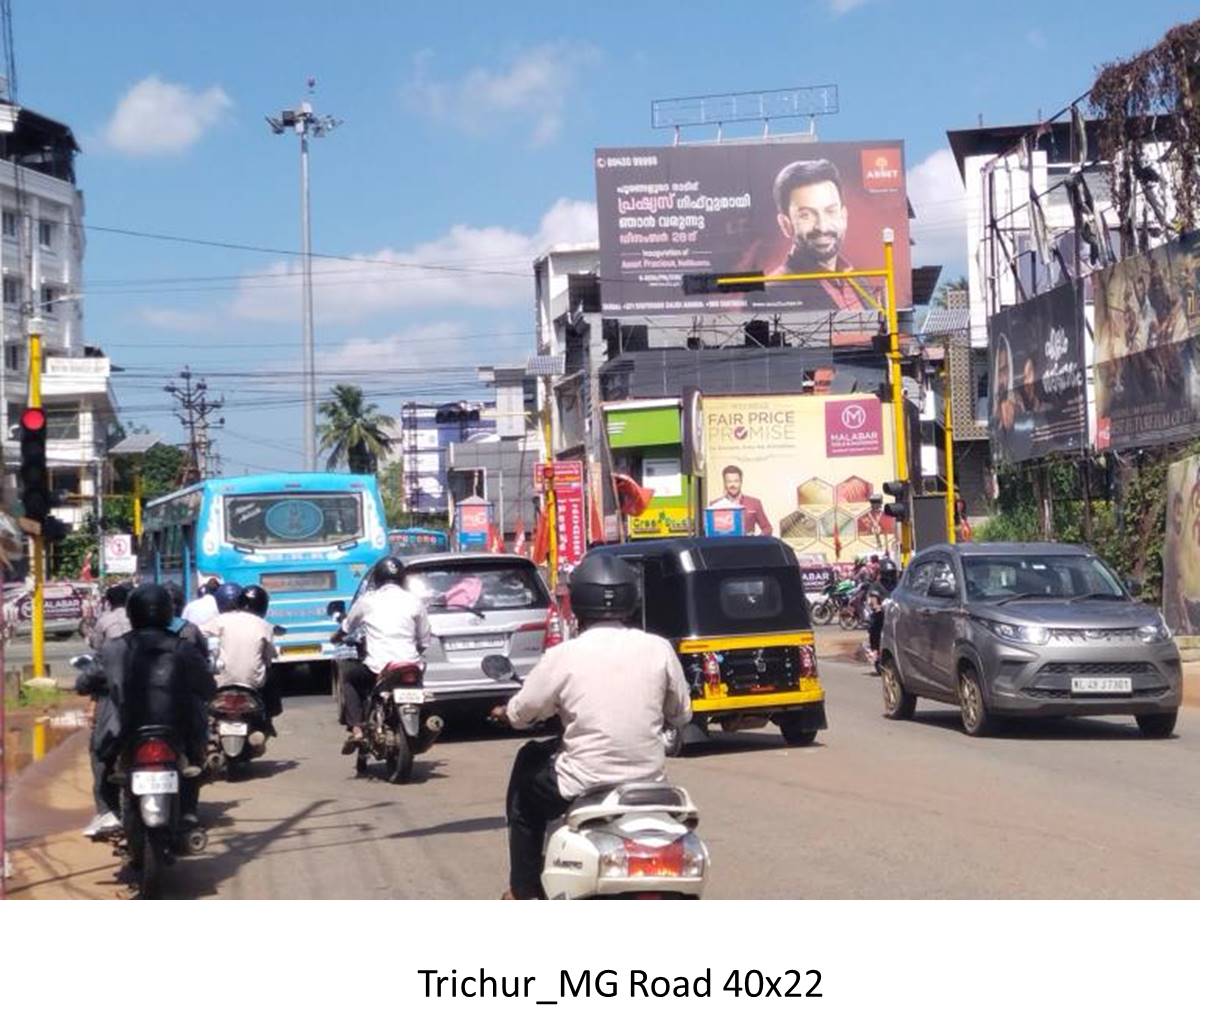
(42, 248)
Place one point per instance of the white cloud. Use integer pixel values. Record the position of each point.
(939, 199)
(188, 320)
(421, 345)
(485, 267)
(157, 118)
(844, 6)
(531, 90)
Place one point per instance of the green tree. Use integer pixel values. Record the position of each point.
(960, 283)
(353, 430)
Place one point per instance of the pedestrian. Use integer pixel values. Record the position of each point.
(113, 622)
(876, 615)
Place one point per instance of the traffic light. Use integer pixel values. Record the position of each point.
(35, 494)
(706, 283)
(54, 529)
(901, 507)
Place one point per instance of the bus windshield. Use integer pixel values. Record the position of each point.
(292, 520)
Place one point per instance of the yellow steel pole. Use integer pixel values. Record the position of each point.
(951, 527)
(137, 526)
(553, 547)
(896, 387)
(38, 560)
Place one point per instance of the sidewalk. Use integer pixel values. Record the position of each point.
(49, 803)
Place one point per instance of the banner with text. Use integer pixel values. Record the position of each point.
(1038, 376)
(779, 207)
(1147, 347)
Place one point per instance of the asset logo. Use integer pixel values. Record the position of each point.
(882, 168)
(853, 417)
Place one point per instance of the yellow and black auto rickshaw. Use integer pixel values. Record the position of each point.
(736, 612)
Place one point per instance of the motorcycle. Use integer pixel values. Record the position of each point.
(848, 600)
(822, 609)
(151, 835)
(400, 719)
(636, 840)
(238, 725)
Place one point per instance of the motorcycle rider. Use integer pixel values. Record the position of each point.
(614, 688)
(151, 675)
(203, 608)
(247, 646)
(396, 629)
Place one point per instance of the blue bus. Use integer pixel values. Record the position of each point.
(307, 538)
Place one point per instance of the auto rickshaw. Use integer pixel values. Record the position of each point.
(735, 610)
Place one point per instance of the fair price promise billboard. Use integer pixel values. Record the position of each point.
(779, 207)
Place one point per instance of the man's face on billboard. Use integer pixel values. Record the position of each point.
(733, 485)
(816, 221)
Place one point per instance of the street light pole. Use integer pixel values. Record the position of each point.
(305, 123)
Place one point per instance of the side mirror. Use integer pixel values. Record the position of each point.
(335, 610)
(84, 662)
(498, 668)
(942, 589)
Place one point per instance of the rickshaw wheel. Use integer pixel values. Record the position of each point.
(795, 735)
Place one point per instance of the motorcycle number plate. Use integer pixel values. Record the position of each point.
(408, 695)
(231, 727)
(148, 783)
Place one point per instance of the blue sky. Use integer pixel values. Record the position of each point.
(467, 139)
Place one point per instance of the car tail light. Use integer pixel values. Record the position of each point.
(712, 669)
(153, 751)
(554, 634)
(807, 661)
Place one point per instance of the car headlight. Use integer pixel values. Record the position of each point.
(1155, 632)
(1022, 634)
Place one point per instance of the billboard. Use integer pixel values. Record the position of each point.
(783, 459)
(1147, 347)
(1181, 553)
(1036, 359)
(777, 207)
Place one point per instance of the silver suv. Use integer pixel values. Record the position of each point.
(1031, 630)
(479, 604)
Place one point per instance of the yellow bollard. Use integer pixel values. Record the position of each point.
(39, 748)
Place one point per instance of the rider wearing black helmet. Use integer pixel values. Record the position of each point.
(394, 624)
(246, 645)
(614, 687)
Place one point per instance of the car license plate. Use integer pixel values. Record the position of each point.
(300, 650)
(408, 695)
(1101, 686)
(231, 727)
(147, 783)
(491, 643)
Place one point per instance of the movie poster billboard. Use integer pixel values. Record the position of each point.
(1036, 358)
(767, 207)
(1181, 552)
(1147, 347)
(806, 468)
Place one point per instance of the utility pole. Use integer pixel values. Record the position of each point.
(196, 407)
(304, 122)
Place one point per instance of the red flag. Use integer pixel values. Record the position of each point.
(836, 536)
(496, 541)
(519, 537)
(633, 499)
(542, 538)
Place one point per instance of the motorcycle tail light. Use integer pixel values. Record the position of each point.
(644, 861)
(232, 702)
(712, 669)
(808, 662)
(153, 751)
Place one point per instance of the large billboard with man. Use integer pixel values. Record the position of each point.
(806, 468)
(664, 212)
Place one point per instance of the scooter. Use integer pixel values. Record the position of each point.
(636, 840)
(238, 725)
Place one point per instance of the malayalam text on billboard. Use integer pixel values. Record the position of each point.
(780, 207)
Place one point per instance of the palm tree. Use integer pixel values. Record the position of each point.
(961, 283)
(353, 430)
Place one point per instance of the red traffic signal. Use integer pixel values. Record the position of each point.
(33, 420)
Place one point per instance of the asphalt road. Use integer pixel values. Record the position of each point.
(1074, 808)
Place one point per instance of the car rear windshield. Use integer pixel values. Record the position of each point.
(744, 601)
(997, 578)
(480, 587)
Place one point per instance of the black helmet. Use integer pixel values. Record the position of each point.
(150, 606)
(603, 587)
(254, 600)
(388, 570)
(227, 596)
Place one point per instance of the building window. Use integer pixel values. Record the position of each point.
(64, 422)
(47, 298)
(68, 481)
(14, 356)
(46, 233)
(10, 224)
(12, 290)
